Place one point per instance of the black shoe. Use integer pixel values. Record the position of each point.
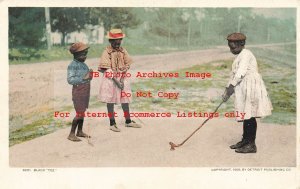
(239, 144)
(248, 148)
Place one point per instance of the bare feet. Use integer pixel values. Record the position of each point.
(82, 134)
(73, 138)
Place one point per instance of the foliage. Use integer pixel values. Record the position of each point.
(212, 25)
(113, 17)
(67, 20)
(153, 28)
(26, 27)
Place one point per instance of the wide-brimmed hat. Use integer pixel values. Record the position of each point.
(77, 47)
(236, 37)
(115, 34)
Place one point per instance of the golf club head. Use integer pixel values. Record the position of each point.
(172, 146)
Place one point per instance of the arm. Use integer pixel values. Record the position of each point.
(127, 60)
(104, 61)
(241, 70)
(237, 76)
(89, 75)
(72, 77)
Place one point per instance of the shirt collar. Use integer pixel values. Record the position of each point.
(110, 49)
(78, 61)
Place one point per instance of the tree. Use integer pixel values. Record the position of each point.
(169, 24)
(67, 20)
(113, 17)
(26, 27)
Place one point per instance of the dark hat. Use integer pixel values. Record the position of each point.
(77, 47)
(236, 37)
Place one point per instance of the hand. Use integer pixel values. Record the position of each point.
(87, 76)
(123, 69)
(101, 70)
(225, 97)
(122, 80)
(91, 74)
(228, 92)
(122, 83)
(119, 84)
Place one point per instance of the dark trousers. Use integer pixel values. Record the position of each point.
(249, 129)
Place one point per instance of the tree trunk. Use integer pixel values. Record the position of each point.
(169, 31)
(48, 27)
(63, 38)
(189, 34)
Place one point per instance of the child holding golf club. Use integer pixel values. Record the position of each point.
(251, 96)
(114, 63)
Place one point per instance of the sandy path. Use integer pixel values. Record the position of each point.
(36, 88)
(148, 146)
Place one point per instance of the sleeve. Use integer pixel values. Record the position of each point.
(241, 70)
(127, 59)
(104, 61)
(73, 78)
(231, 78)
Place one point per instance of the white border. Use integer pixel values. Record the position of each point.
(133, 177)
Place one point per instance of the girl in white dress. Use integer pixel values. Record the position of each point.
(251, 96)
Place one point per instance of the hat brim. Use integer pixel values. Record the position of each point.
(119, 37)
(236, 39)
(83, 48)
(80, 49)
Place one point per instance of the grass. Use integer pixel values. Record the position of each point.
(44, 123)
(193, 96)
(42, 126)
(58, 53)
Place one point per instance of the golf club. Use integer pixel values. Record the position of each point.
(173, 145)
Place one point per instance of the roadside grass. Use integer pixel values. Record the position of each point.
(43, 124)
(193, 92)
(59, 53)
(36, 129)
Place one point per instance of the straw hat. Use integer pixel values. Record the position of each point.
(115, 34)
(77, 47)
(236, 37)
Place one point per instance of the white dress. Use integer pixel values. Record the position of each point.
(251, 96)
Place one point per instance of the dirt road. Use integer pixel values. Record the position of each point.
(148, 146)
(37, 88)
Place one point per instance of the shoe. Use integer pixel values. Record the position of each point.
(114, 128)
(248, 148)
(82, 134)
(239, 144)
(73, 138)
(133, 124)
